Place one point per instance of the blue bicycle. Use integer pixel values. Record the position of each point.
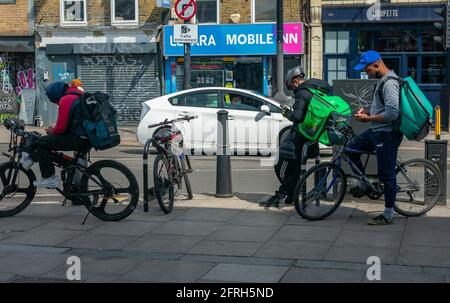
(322, 188)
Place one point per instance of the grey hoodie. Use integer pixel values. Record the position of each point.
(390, 109)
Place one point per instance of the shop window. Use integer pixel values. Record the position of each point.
(433, 69)
(388, 41)
(428, 44)
(337, 42)
(337, 69)
(264, 11)
(208, 99)
(364, 41)
(412, 67)
(73, 12)
(207, 11)
(410, 39)
(124, 12)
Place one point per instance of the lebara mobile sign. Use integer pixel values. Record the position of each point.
(238, 39)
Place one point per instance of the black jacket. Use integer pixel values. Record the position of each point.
(290, 149)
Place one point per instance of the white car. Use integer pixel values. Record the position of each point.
(255, 122)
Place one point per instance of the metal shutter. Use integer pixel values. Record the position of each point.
(128, 79)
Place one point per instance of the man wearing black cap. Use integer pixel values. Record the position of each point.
(383, 135)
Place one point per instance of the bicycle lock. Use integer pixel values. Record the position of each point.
(223, 162)
(436, 151)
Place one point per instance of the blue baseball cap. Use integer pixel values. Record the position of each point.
(367, 58)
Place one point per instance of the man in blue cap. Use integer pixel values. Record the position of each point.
(383, 135)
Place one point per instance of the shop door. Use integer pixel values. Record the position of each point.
(249, 75)
(128, 79)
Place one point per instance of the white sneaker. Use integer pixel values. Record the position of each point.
(26, 161)
(52, 182)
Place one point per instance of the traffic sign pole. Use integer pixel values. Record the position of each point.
(187, 64)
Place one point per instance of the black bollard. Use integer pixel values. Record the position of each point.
(223, 178)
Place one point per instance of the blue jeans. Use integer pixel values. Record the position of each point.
(386, 144)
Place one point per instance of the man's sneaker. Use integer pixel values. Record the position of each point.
(276, 201)
(52, 182)
(26, 161)
(380, 220)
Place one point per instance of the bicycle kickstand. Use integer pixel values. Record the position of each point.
(94, 201)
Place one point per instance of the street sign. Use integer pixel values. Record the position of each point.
(185, 9)
(185, 33)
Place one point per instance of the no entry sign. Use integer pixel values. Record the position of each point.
(185, 9)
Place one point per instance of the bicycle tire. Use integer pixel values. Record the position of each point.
(160, 192)
(30, 190)
(300, 206)
(436, 189)
(184, 169)
(132, 189)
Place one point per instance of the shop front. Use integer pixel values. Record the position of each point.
(402, 34)
(239, 56)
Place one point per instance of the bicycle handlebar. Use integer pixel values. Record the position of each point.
(167, 122)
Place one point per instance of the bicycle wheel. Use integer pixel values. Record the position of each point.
(16, 197)
(164, 185)
(112, 190)
(419, 186)
(320, 191)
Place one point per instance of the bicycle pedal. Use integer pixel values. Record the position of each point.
(64, 202)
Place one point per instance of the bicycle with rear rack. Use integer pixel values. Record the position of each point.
(107, 188)
(322, 188)
(171, 165)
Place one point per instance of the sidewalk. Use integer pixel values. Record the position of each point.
(229, 240)
(127, 134)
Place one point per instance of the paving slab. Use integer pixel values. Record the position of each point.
(289, 249)
(6, 277)
(395, 277)
(335, 222)
(20, 248)
(41, 237)
(126, 228)
(246, 273)
(100, 242)
(46, 211)
(356, 238)
(424, 256)
(238, 260)
(73, 222)
(168, 271)
(188, 228)
(243, 233)
(163, 243)
(156, 214)
(31, 264)
(360, 224)
(316, 275)
(226, 248)
(307, 233)
(361, 253)
(259, 218)
(20, 223)
(209, 215)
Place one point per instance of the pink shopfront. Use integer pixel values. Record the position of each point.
(232, 55)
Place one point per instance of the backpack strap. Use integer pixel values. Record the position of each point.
(383, 82)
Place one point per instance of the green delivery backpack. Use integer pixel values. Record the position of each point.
(319, 111)
(416, 112)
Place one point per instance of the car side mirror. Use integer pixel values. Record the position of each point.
(265, 109)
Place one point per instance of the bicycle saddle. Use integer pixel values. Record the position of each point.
(163, 136)
(11, 123)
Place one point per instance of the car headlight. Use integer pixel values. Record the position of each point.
(145, 110)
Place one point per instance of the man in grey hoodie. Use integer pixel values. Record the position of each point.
(383, 135)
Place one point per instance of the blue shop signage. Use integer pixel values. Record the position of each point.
(380, 13)
(226, 40)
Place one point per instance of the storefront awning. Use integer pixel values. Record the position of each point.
(16, 44)
(381, 13)
(101, 48)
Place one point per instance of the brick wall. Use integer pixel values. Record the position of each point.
(14, 19)
(98, 12)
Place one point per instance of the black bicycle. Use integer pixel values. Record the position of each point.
(322, 188)
(171, 165)
(107, 188)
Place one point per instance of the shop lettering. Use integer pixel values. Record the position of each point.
(203, 40)
(290, 38)
(250, 39)
(386, 13)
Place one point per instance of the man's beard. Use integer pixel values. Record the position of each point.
(377, 75)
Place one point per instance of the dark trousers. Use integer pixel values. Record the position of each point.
(289, 169)
(386, 144)
(45, 144)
